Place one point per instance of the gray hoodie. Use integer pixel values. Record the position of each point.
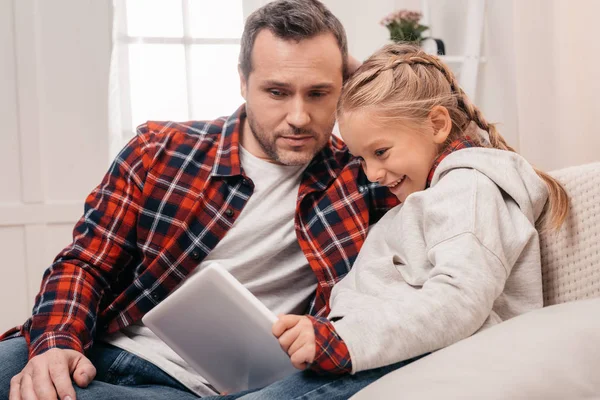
(453, 259)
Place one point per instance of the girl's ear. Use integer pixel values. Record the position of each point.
(441, 123)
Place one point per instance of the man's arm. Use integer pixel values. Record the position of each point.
(64, 316)
(65, 311)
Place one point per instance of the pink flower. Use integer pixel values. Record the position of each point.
(400, 16)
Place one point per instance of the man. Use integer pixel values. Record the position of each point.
(266, 192)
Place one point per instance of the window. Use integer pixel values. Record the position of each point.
(173, 60)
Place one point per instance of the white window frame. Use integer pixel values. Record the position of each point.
(121, 111)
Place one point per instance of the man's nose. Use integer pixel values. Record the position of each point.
(298, 115)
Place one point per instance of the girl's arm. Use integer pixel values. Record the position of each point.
(474, 238)
(452, 304)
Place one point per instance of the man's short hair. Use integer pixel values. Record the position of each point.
(292, 20)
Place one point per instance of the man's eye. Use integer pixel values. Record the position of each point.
(318, 94)
(380, 152)
(276, 93)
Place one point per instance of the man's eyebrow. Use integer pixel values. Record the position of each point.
(324, 85)
(276, 83)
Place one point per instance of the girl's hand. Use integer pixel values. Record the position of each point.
(297, 338)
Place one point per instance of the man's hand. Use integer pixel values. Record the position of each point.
(48, 376)
(297, 338)
(353, 64)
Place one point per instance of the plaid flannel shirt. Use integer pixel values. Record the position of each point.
(167, 199)
(332, 355)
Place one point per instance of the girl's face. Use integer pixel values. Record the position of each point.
(396, 155)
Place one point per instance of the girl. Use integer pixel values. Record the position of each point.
(459, 254)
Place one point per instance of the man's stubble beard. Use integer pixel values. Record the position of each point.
(269, 147)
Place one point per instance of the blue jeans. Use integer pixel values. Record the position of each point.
(307, 385)
(119, 374)
(122, 375)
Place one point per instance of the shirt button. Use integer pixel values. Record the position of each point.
(229, 212)
(155, 296)
(245, 182)
(195, 254)
(361, 189)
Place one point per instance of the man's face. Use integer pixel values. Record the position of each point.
(291, 95)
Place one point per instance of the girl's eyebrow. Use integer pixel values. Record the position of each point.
(375, 144)
(370, 146)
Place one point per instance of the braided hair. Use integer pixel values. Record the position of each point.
(401, 82)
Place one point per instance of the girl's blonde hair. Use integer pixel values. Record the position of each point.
(400, 82)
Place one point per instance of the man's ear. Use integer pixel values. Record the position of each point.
(243, 83)
(441, 123)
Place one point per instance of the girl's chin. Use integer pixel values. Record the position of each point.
(398, 190)
(402, 191)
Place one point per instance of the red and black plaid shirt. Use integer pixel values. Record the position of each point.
(168, 198)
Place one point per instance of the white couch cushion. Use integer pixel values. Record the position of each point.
(571, 256)
(548, 354)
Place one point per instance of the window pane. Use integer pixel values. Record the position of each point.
(157, 81)
(216, 19)
(156, 18)
(215, 81)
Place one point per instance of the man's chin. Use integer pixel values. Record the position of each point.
(294, 158)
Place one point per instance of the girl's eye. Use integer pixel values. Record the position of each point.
(380, 152)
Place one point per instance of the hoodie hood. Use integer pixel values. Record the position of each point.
(509, 171)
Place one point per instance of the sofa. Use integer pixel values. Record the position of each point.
(550, 353)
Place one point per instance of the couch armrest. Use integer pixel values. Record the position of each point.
(551, 353)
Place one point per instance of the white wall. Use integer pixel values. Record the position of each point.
(539, 83)
(53, 99)
(361, 21)
(557, 53)
(496, 91)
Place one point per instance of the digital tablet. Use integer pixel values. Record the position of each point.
(222, 331)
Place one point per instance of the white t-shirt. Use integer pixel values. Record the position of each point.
(261, 250)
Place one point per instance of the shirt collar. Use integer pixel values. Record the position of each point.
(462, 143)
(227, 157)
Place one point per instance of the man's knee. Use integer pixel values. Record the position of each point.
(13, 358)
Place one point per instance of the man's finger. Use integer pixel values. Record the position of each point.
(15, 387)
(61, 379)
(84, 372)
(42, 383)
(353, 64)
(27, 392)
